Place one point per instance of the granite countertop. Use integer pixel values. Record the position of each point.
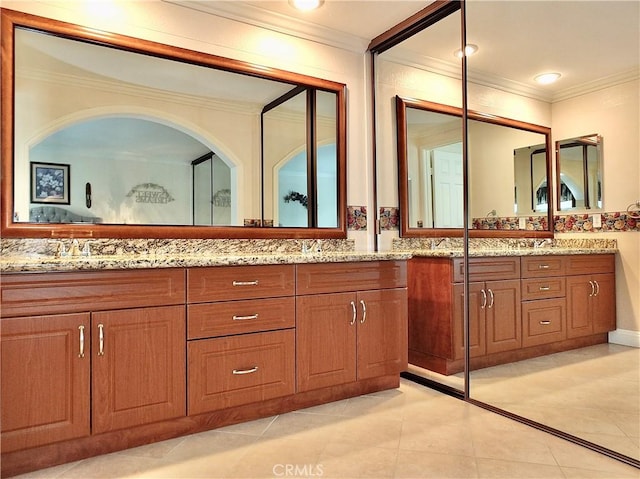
(485, 252)
(141, 261)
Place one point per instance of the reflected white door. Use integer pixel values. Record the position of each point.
(448, 189)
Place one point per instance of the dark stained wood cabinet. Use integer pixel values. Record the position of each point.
(98, 361)
(342, 337)
(45, 379)
(518, 308)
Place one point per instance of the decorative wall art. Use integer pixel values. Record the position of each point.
(50, 183)
(150, 193)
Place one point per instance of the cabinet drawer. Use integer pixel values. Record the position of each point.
(225, 372)
(207, 320)
(485, 269)
(318, 278)
(554, 287)
(239, 282)
(26, 294)
(543, 266)
(544, 321)
(590, 264)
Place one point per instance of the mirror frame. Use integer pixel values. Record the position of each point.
(403, 168)
(11, 19)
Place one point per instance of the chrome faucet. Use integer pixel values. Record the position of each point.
(541, 243)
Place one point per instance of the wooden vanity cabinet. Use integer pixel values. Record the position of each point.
(242, 350)
(132, 359)
(541, 304)
(350, 322)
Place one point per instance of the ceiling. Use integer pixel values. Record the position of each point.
(591, 42)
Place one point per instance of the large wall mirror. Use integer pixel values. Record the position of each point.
(590, 394)
(509, 170)
(119, 137)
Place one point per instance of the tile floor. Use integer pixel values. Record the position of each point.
(410, 432)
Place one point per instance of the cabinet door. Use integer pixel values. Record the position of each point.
(604, 303)
(580, 289)
(138, 366)
(325, 340)
(45, 379)
(477, 326)
(382, 332)
(503, 316)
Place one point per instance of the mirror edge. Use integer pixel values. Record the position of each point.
(405, 231)
(10, 19)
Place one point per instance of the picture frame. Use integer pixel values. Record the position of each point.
(50, 183)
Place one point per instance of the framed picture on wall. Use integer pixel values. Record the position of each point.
(50, 183)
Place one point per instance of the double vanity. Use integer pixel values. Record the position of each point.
(132, 349)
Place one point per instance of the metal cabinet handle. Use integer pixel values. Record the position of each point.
(355, 313)
(240, 372)
(100, 339)
(597, 288)
(484, 299)
(593, 288)
(246, 283)
(545, 323)
(544, 288)
(81, 353)
(543, 266)
(242, 318)
(364, 311)
(491, 303)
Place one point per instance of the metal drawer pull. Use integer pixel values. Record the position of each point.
(544, 288)
(240, 372)
(81, 353)
(593, 288)
(484, 299)
(242, 318)
(491, 303)
(543, 266)
(246, 283)
(364, 311)
(545, 323)
(100, 339)
(355, 313)
(597, 288)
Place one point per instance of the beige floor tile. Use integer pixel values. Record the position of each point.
(252, 428)
(372, 431)
(418, 465)
(442, 439)
(493, 468)
(116, 465)
(522, 445)
(569, 455)
(344, 460)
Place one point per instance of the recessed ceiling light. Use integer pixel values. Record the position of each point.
(547, 78)
(469, 50)
(306, 5)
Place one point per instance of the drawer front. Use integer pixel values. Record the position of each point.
(543, 266)
(226, 372)
(486, 269)
(207, 320)
(554, 287)
(591, 264)
(26, 294)
(340, 277)
(239, 282)
(544, 321)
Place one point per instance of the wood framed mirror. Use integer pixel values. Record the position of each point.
(59, 85)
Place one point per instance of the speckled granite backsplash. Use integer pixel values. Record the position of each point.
(413, 244)
(167, 247)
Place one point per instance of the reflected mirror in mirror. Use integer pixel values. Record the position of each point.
(579, 163)
(506, 158)
(169, 138)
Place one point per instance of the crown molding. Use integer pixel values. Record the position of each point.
(277, 22)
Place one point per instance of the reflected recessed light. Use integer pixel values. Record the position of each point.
(547, 78)
(306, 5)
(469, 50)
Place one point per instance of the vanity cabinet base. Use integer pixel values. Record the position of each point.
(23, 461)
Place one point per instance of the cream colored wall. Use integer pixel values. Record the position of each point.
(167, 23)
(614, 113)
